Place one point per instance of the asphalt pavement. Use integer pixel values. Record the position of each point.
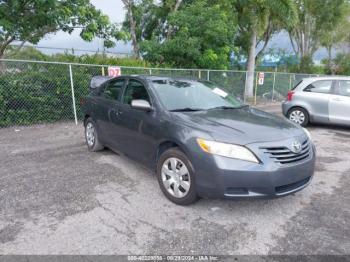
(58, 198)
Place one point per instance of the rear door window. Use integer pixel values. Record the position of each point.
(322, 86)
(343, 88)
(113, 89)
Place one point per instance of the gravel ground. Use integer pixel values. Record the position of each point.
(58, 198)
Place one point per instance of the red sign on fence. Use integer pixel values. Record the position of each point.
(114, 71)
(261, 77)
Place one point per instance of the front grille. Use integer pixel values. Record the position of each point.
(293, 186)
(284, 155)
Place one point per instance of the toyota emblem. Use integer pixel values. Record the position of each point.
(296, 147)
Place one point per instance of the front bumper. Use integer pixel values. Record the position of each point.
(220, 177)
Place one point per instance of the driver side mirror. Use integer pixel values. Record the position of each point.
(141, 104)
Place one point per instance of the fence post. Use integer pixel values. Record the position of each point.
(73, 96)
(290, 81)
(208, 75)
(273, 86)
(245, 87)
(293, 80)
(103, 71)
(256, 88)
(150, 71)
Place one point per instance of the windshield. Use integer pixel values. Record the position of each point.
(193, 95)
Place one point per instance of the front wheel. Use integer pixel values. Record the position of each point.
(176, 177)
(299, 116)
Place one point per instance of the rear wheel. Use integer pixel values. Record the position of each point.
(299, 116)
(91, 136)
(176, 177)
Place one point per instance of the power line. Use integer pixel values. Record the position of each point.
(74, 49)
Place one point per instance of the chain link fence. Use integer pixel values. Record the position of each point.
(43, 92)
(276, 86)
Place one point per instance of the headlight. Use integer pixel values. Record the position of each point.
(227, 150)
(307, 133)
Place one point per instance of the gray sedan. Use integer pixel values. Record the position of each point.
(198, 138)
(319, 100)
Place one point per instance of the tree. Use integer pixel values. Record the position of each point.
(144, 18)
(30, 20)
(337, 35)
(130, 5)
(198, 34)
(173, 11)
(315, 19)
(258, 21)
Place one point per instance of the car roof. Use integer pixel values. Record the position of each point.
(154, 77)
(311, 79)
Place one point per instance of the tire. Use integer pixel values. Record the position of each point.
(91, 136)
(299, 116)
(180, 188)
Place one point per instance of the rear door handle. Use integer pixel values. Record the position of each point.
(337, 99)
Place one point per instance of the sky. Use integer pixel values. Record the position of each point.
(113, 8)
(116, 12)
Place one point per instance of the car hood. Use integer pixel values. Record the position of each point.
(241, 126)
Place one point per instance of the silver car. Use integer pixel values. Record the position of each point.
(319, 100)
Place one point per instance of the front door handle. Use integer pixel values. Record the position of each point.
(118, 112)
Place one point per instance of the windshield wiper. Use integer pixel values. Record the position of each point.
(186, 109)
(229, 107)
